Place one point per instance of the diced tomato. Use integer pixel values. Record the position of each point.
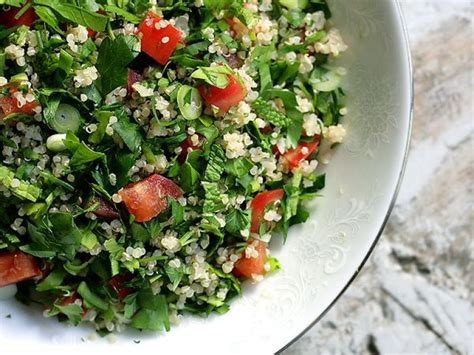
(304, 149)
(17, 266)
(65, 301)
(224, 98)
(258, 204)
(158, 43)
(7, 18)
(233, 60)
(9, 102)
(237, 28)
(116, 283)
(276, 151)
(187, 145)
(146, 199)
(105, 209)
(267, 129)
(91, 33)
(133, 77)
(246, 267)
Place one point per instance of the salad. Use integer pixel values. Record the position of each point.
(150, 149)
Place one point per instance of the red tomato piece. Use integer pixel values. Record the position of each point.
(187, 145)
(133, 77)
(224, 98)
(91, 33)
(116, 283)
(17, 266)
(258, 204)
(237, 28)
(159, 43)
(304, 149)
(14, 101)
(146, 199)
(65, 301)
(246, 267)
(7, 18)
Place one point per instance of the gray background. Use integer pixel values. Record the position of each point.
(414, 294)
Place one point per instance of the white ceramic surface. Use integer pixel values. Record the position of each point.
(321, 257)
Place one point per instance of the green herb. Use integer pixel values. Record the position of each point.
(76, 14)
(153, 313)
(237, 220)
(215, 76)
(91, 298)
(114, 57)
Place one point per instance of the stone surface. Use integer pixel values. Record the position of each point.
(415, 293)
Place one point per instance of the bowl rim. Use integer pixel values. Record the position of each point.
(401, 173)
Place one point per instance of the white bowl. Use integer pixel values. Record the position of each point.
(320, 258)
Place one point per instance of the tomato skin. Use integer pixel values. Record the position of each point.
(246, 267)
(187, 145)
(105, 209)
(91, 33)
(146, 199)
(152, 38)
(116, 283)
(224, 98)
(294, 156)
(258, 204)
(17, 266)
(9, 103)
(7, 18)
(237, 28)
(66, 301)
(133, 77)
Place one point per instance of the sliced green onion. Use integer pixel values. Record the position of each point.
(55, 143)
(91, 297)
(67, 118)
(189, 102)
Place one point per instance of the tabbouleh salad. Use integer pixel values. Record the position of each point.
(151, 148)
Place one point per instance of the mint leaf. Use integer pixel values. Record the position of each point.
(215, 166)
(215, 76)
(76, 14)
(213, 200)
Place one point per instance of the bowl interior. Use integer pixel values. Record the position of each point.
(320, 257)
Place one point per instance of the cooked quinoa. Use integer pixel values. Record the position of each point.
(150, 150)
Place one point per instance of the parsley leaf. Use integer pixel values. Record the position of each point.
(128, 131)
(81, 153)
(114, 57)
(153, 314)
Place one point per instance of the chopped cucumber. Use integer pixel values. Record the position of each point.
(19, 77)
(328, 82)
(189, 102)
(55, 143)
(294, 4)
(67, 118)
